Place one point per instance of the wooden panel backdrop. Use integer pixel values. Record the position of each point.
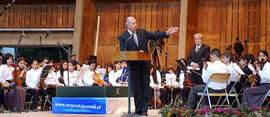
(221, 21)
(38, 16)
(149, 15)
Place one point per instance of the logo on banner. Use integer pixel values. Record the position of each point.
(79, 105)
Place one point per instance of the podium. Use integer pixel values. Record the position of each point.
(131, 56)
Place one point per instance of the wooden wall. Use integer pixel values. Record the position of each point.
(192, 24)
(28, 15)
(149, 15)
(221, 21)
(88, 31)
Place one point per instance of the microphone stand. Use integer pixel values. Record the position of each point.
(253, 38)
(15, 75)
(69, 54)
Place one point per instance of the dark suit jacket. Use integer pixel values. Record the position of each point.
(142, 36)
(197, 57)
(247, 71)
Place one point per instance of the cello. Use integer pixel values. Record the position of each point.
(18, 76)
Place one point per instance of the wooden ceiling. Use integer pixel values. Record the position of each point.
(37, 1)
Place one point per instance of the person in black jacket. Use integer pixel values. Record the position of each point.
(195, 58)
(134, 39)
(243, 63)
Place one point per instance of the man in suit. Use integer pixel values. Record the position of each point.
(197, 53)
(134, 39)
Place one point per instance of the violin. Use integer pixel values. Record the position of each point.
(18, 78)
(257, 79)
(97, 80)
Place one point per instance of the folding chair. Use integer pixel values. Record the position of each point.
(216, 77)
(28, 103)
(178, 98)
(267, 94)
(47, 100)
(233, 93)
(251, 78)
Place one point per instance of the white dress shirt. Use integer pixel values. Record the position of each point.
(73, 78)
(88, 78)
(234, 74)
(216, 67)
(135, 37)
(265, 73)
(32, 78)
(6, 73)
(52, 79)
(113, 76)
(152, 83)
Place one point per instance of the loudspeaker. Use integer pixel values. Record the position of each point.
(92, 59)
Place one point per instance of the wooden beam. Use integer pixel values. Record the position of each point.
(77, 28)
(183, 29)
(88, 30)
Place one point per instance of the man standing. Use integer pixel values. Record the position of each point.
(197, 53)
(134, 39)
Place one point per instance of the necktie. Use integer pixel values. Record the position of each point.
(197, 49)
(135, 39)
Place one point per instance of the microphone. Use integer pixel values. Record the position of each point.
(47, 34)
(131, 36)
(22, 35)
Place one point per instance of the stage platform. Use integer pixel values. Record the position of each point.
(151, 113)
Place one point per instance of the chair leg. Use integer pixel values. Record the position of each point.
(237, 100)
(219, 100)
(201, 99)
(228, 102)
(267, 94)
(209, 101)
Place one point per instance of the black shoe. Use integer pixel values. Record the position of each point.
(144, 114)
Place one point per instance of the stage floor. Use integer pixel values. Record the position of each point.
(151, 113)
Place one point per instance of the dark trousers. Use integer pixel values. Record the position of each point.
(2, 101)
(193, 94)
(139, 76)
(35, 94)
(255, 95)
(195, 78)
(51, 91)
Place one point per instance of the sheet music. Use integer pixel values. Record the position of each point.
(83, 70)
(171, 79)
(101, 71)
(190, 68)
(238, 69)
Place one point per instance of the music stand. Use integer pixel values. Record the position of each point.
(182, 66)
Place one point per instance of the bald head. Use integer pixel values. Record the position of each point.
(131, 24)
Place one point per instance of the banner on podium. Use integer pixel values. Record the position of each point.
(79, 105)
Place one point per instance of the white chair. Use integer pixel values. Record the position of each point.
(267, 94)
(216, 77)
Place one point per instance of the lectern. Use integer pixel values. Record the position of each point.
(130, 56)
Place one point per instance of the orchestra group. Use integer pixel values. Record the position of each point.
(38, 80)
